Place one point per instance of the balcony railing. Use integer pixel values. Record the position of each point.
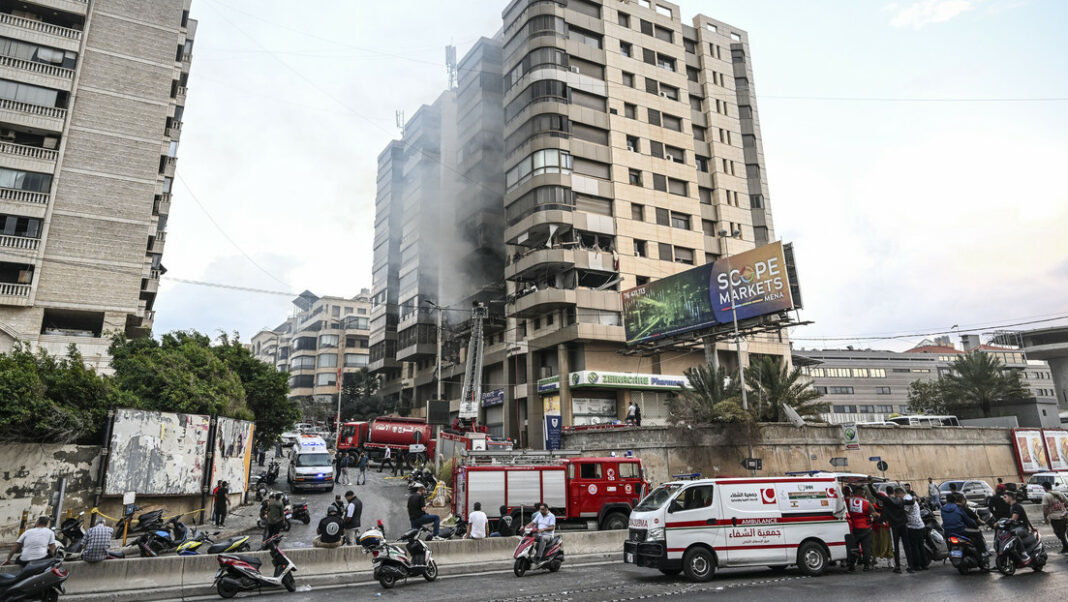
(161, 236)
(150, 315)
(25, 107)
(162, 206)
(182, 90)
(40, 26)
(23, 196)
(35, 67)
(29, 152)
(19, 242)
(153, 274)
(14, 290)
(175, 129)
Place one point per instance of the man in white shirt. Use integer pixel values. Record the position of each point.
(35, 544)
(544, 523)
(477, 522)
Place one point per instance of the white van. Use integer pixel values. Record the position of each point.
(698, 526)
(311, 466)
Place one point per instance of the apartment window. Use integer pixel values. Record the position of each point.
(659, 183)
(679, 187)
(840, 391)
(693, 74)
(684, 255)
(699, 133)
(680, 220)
(689, 45)
(708, 227)
(820, 390)
(536, 57)
(654, 117)
(628, 79)
(877, 372)
(745, 112)
(663, 217)
(675, 154)
(664, 252)
(669, 92)
(662, 33)
(886, 409)
(646, 27)
(651, 86)
(665, 62)
(537, 323)
(25, 180)
(542, 90)
(639, 248)
(866, 409)
(756, 201)
(737, 55)
(705, 194)
(648, 56)
(327, 360)
(637, 212)
(882, 390)
(626, 49)
(623, 19)
(585, 36)
(695, 103)
(860, 373)
(847, 409)
(301, 362)
(752, 170)
(544, 161)
(702, 163)
(327, 340)
(34, 95)
(355, 359)
(635, 179)
(633, 144)
(301, 381)
(641, 280)
(736, 37)
(630, 111)
(672, 123)
(711, 257)
(326, 379)
(656, 149)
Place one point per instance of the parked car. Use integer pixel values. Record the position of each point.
(973, 490)
(1035, 491)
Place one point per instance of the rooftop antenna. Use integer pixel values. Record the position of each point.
(400, 121)
(450, 64)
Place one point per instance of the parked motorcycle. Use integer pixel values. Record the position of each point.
(164, 540)
(456, 531)
(300, 512)
(287, 513)
(38, 580)
(202, 543)
(527, 549)
(964, 555)
(238, 573)
(391, 563)
(1017, 547)
(72, 536)
(934, 540)
(147, 522)
(265, 480)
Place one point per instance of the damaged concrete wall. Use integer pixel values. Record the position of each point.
(233, 453)
(913, 453)
(31, 472)
(157, 453)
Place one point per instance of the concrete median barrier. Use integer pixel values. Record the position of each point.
(169, 577)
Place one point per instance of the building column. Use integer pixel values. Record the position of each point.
(535, 431)
(508, 412)
(565, 384)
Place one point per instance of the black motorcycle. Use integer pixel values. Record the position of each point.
(159, 542)
(300, 512)
(72, 536)
(934, 540)
(38, 580)
(1017, 547)
(964, 554)
(287, 513)
(147, 522)
(265, 480)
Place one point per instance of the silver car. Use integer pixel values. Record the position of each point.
(973, 490)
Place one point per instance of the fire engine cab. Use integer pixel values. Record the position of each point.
(698, 526)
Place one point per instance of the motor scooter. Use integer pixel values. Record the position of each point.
(147, 522)
(525, 554)
(72, 536)
(300, 512)
(238, 573)
(38, 580)
(202, 543)
(265, 480)
(391, 563)
(934, 540)
(158, 542)
(287, 513)
(964, 554)
(1017, 547)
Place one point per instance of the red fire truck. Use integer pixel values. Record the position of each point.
(595, 493)
(352, 435)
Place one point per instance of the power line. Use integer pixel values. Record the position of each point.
(926, 334)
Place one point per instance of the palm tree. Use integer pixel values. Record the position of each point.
(710, 397)
(978, 380)
(772, 385)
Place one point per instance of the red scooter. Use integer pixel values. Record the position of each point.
(525, 554)
(238, 573)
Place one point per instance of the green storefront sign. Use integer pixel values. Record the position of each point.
(594, 379)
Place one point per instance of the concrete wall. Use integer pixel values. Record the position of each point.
(913, 454)
(30, 474)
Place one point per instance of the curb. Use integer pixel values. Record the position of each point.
(357, 578)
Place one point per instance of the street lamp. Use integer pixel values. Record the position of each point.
(736, 233)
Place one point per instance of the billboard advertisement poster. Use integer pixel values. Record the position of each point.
(493, 398)
(233, 453)
(553, 431)
(1057, 448)
(156, 453)
(1030, 450)
(851, 436)
(756, 284)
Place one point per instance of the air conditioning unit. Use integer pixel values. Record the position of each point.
(669, 157)
(664, 94)
(50, 142)
(630, 147)
(574, 69)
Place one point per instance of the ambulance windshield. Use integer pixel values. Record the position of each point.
(658, 497)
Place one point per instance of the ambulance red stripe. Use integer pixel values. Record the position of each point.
(778, 546)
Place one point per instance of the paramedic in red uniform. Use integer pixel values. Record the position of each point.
(860, 522)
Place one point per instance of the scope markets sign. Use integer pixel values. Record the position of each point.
(595, 379)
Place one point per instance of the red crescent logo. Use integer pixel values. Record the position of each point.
(768, 495)
(832, 492)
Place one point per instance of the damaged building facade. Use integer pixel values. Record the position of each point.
(588, 148)
(91, 103)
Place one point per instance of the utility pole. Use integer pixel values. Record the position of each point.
(737, 337)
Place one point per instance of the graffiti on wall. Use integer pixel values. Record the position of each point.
(233, 453)
(156, 453)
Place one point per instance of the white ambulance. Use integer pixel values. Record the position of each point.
(311, 466)
(698, 526)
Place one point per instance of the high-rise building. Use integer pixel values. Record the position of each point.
(324, 338)
(630, 140)
(91, 103)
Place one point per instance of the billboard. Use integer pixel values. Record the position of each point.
(756, 284)
(1030, 450)
(1057, 448)
(233, 453)
(156, 453)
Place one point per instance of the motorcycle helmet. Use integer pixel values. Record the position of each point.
(371, 538)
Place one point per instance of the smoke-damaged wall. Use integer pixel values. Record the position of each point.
(31, 472)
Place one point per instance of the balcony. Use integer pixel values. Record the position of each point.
(31, 115)
(14, 294)
(24, 196)
(156, 242)
(22, 243)
(542, 301)
(78, 7)
(180, 96)
(50, 75)
(416, 351)
(28, 158)
(40, 27)
(162, 205)
(175, 130)
(168, 164)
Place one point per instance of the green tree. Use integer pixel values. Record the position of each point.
(773, 385)
(930, 397)
(359, 397)
(978, 380)
(710, 397)
(266, 389)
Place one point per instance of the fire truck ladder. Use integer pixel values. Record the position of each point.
(472, 388)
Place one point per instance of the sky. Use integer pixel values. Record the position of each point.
(915, 152)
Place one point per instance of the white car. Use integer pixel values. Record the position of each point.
(1035, 491)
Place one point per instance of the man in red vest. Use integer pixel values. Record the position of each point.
(860, 522)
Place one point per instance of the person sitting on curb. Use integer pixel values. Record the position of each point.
(330, 530)
(417, 513)
(477, 523)
(504, 524)
(35, 544)
(97, 541)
